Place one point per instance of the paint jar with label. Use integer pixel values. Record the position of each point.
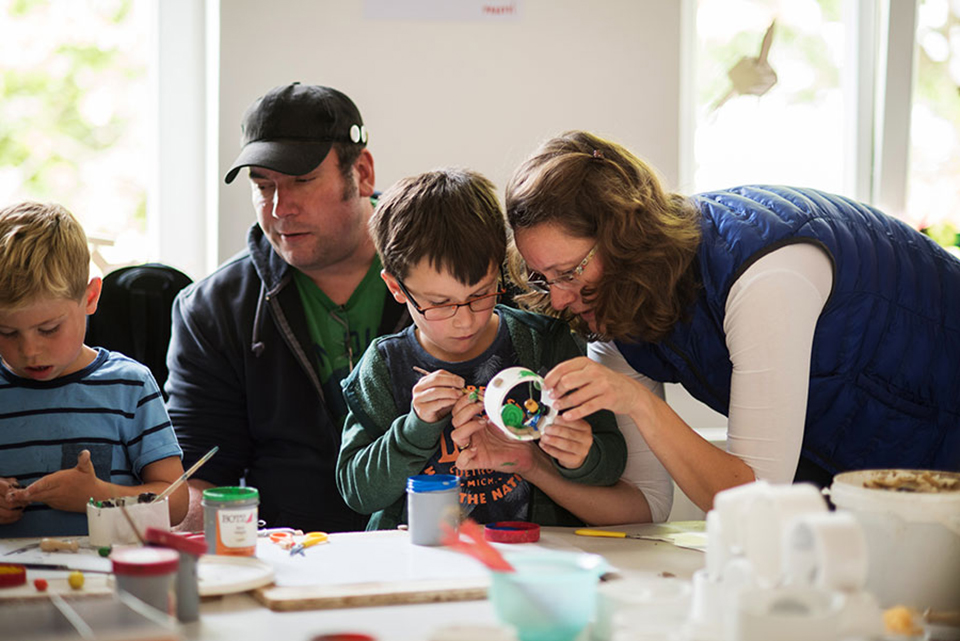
(149, 574)
(432, 500)
(230, 520)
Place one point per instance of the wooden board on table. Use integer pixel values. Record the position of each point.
(94, 585)
(321, 597)
(26, 551)
(363, 569)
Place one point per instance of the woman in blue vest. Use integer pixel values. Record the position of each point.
(826, 331)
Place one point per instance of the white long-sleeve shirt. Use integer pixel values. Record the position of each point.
(770, 316)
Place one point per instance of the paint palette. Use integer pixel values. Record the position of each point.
(221, 574)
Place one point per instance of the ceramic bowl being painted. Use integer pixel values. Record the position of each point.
(515, 402)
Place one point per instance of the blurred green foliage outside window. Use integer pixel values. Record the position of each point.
(794, 132)
(934, 186)
(75, 109)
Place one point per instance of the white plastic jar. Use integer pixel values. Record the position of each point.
(432, 501)
(149, 574)
(913, 538)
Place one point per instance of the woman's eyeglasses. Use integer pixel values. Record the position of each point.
(568, 280)
(449, 310)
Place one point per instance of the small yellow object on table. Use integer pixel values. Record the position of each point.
(901, 620)
(75, 579)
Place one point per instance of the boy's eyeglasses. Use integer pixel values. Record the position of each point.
(449, 310)
(568, 280)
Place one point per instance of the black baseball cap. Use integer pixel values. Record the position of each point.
(291, 128)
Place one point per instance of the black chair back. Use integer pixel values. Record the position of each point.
(133, 316)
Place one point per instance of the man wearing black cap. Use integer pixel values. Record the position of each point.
(260, 346)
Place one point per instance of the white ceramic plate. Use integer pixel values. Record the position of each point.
(219, 574)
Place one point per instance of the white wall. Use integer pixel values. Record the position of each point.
(474, 94)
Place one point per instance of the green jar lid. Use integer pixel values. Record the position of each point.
(231, 494)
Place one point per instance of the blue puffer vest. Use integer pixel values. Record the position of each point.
(885, 369)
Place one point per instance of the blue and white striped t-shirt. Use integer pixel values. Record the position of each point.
(112, 407)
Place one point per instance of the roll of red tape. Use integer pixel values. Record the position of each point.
(12, 574)
(512, 532)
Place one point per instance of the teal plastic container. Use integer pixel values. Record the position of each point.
(550, 597)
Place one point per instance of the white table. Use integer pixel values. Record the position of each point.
(240, 616)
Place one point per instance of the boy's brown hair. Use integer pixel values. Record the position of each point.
(451, 217)
(43, 254)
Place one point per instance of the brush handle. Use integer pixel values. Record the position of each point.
(56, 545)
(608, 533)
(193, 468)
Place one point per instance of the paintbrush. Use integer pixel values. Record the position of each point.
(423, 372)
(62, 566)
(186, 475)
(133, 526)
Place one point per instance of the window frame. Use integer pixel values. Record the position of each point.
(881, 43)
(182, 201)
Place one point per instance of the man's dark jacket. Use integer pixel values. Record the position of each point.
(243, 376)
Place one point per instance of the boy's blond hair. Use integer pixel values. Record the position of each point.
(43, 254)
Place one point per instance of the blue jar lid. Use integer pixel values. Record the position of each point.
(432, 482)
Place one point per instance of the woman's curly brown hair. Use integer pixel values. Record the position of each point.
(647, 238)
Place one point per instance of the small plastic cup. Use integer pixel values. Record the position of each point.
(148, 574)
(108, 525)
(550, 597)
(187, 586)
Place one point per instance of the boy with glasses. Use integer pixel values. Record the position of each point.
(442, 238)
